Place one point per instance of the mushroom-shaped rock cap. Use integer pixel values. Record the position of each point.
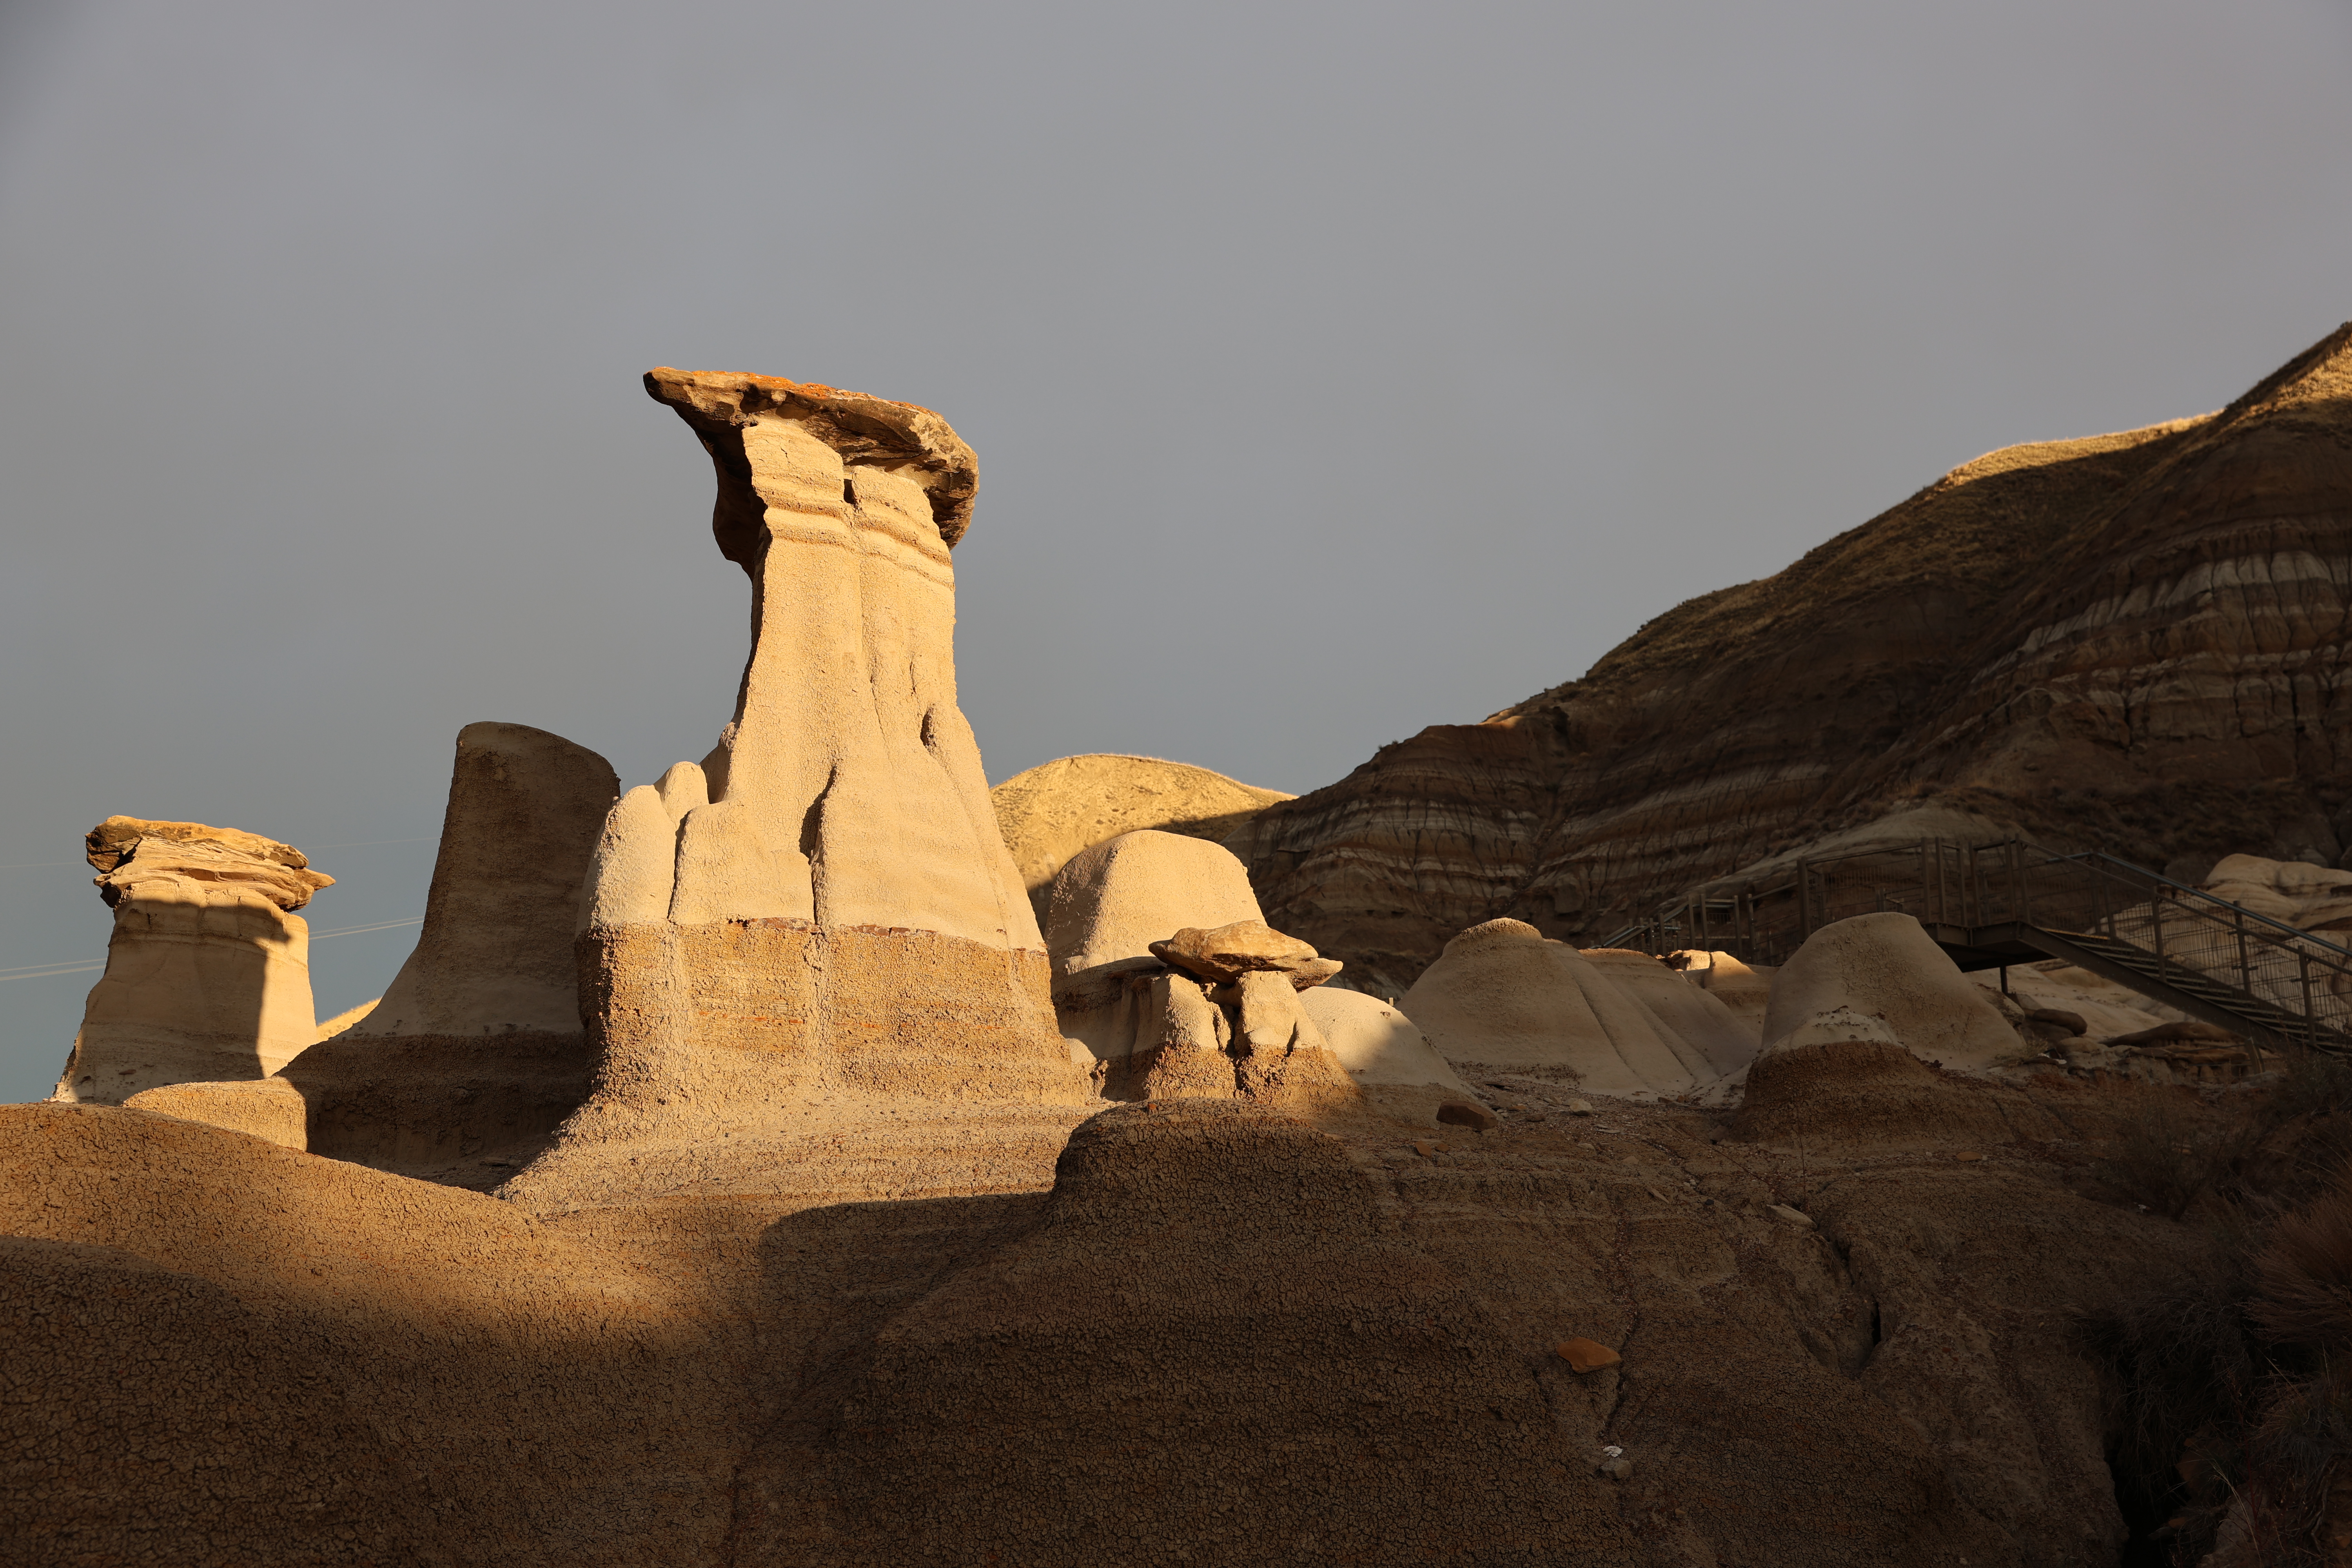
(873, 431)
(1229, 951)
(112, 841)
(128, 850)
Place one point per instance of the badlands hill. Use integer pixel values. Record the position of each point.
(1055, 809)
(2131, 642)
(741, 1175)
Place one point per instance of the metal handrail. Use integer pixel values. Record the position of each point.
(2285, 978)
(2296, 932)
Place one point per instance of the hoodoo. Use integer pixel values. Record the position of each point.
(824, 901)
(209, 974)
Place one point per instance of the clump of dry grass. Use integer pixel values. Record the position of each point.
(2304, 1125)
(2304, 1276)
(2228, 1392)
(2189, 1376)
(2262, 1416)
(2167, 1158)
(2291, 1459)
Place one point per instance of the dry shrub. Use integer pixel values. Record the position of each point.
(2304, 1128)
(2189, 1378)
(2316, 1083)
(2228, 1388)
(2166, 1158)
(2305, 1276)
(2302, 1302)
(2290, 1460)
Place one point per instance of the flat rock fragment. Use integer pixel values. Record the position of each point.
(1243, 947)
(1584, 1355)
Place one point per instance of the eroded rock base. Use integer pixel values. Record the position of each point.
(881, 1328)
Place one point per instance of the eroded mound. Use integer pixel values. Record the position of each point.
(304, 1361)
(1213, 1348)
(1055, 809)
(1870, 1091)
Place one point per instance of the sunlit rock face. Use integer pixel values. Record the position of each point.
(849, 790)
(825, 900)
(494, 957)
(1056, 809)
(2131, 640)
(208, 971)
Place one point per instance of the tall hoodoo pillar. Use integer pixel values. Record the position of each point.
(827, 898)
(849, 790)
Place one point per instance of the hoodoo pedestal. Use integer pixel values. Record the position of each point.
(825, 901)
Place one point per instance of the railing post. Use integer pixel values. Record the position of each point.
(2156, 917)
(2310, 1020)
(2246, 964)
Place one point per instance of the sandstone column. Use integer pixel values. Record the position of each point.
(494, 957)
(826, 900)
(477, 1052)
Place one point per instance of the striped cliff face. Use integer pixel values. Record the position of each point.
(2132, 640)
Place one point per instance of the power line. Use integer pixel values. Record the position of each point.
(42, 971)
(357, 930)
(45, 971)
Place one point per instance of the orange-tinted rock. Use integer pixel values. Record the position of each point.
(1584, 1355)
(129, 852)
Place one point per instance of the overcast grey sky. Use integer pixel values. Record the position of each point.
(1334, 369)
